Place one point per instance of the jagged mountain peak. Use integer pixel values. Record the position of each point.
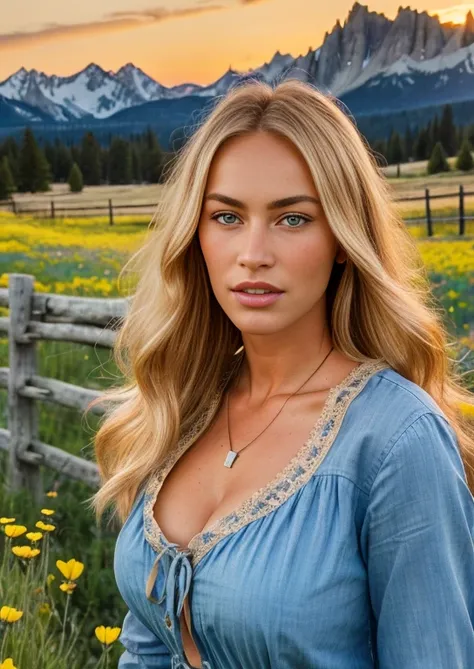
(93, 67)
(355, 10)
(21, 71)
(131, 67)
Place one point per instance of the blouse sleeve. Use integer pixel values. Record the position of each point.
(143, 649)
(419, 538)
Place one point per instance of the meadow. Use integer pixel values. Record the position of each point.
(83, 257)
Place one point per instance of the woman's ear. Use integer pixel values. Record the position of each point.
(341, 256)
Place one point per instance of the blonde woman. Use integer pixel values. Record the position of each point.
(291, 467)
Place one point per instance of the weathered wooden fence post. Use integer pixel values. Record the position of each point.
(462, 218)
(22, 412)
(52, 208)
(429, 222)
(111, 213)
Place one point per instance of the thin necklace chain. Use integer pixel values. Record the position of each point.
(232, 455)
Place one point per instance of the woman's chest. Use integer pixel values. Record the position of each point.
(199, 489)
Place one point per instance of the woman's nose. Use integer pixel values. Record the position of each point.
(254, 247)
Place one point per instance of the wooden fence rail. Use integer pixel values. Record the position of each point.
(34, 316)
(52, 210)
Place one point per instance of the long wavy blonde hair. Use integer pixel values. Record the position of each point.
(176, 344)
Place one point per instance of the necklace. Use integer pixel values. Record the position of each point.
(232, 455)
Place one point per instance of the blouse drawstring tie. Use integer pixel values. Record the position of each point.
(177, 575)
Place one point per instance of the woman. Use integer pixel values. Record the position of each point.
(292, 468)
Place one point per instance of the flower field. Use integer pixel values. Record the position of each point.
(59, 605)
(40, 626)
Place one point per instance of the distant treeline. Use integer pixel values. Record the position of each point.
(29, 167)
(419, 144)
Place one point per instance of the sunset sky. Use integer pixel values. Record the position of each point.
(174, 41)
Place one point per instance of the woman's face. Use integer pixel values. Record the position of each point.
(290, 246)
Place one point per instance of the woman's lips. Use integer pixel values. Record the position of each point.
(255, 300)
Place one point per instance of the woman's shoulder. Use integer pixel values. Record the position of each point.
(405, 397)
(383, 409)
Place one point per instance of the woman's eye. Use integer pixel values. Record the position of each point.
(297, 216)
(217, 216)
(288, 216)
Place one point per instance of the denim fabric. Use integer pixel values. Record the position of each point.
(369, 564)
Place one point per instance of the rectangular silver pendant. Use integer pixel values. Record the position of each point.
(229, 461)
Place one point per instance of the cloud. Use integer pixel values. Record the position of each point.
(112, 22)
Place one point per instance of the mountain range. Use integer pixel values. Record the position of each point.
(375, 65)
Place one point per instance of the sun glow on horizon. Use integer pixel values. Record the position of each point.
(456, 14)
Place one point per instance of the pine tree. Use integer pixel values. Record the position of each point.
(464, 159)
(395, 149)
(51, 156)
(90, 161)
(433, 134)
(447, 131)
(34, 169)
(11, 149)
(137, 174)
(120, 161)
(152, 158)
(438, 162)
(470, 133)
(64, 163)
(421, 146)
(7, 185)
(75, 179)
(75, 155)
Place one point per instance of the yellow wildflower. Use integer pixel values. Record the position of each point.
(47, 512)
(45, 526)
(71, 570)
(34, 536)
(467, 409)
(25, 551)
(8, 614)
(7, 664)
(4, 520)
(107, 635)
(50, 578)
(52, 493)
(68, 587)
(14, 530)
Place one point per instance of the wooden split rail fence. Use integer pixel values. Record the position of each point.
(43, 316)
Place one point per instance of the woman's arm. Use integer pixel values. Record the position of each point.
(418, 536)
(144, 650)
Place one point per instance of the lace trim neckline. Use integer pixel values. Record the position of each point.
(263, 501)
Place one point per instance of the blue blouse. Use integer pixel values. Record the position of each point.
(359, 554)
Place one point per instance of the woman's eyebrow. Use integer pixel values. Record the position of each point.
(276, 204)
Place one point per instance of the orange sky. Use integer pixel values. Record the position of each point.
(174, 41)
